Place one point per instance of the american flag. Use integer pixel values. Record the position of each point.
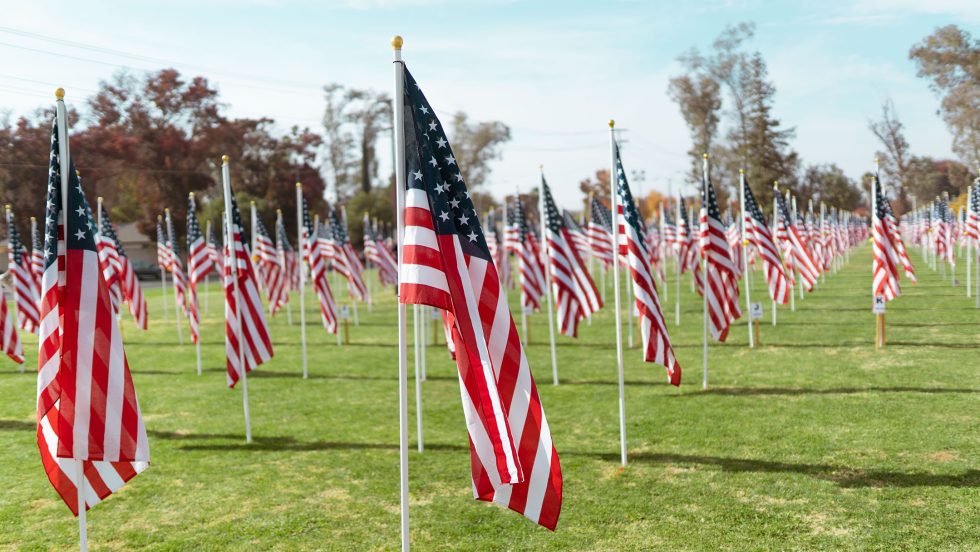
(22, 278)
(176, 266)
(972, 230)
(512, 234)
(264, 255)
(342, 256)
(884, 267)
(758, 233)
(575, 231)
(87, 409)
(576, 296)
(320, 259)
(213, 252)
(286, 259)
(793, 247)
(163, 250)
(9, 339)
(110, 264)
(255, 333)
(447, 265)
(632, 245)
(37, 259)
(498, 252)
(892, 223)
(721, 274)
(733, 233)
(131, 290)
(688, 249)
(376, 252)
(599, 232)
(670, 228)
(528, 261)
(199, 265)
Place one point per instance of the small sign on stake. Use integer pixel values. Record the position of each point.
(755, 311)
(878, 307)
(344, 312)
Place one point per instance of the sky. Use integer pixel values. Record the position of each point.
(555, 72)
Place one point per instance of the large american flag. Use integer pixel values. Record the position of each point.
(528, 261)
(721, 291)
(163, 250)
(793, 247)
(447, 265)
(213, 252)
(255, 333)
(632, 246)
(319, 260)
(22, 278)
(892, 223)
(199, 265)
(688, 251)
(498, 252)
(575, 231)
(759, 235)
(87, 409)
(576, 296)
(885, 264)
(285, 258)
(599, 232)
(972, 229)
(376, 252)
(267, 261)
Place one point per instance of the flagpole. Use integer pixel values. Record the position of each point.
(62, 116)
(163, 279)
(207, 277)
(793, 205)
(173, 251)
(704, 263)
(230, 235)
(547, 276)
(301, 246)
(677, 288)
(417, 331)
(775, 226)
(663, 248)
(619, 325)
(745, 256)
(399, 120)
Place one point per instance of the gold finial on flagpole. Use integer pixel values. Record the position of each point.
(59, 93)
(8, 206)
(741, 171)
(191, 195)
(99, 200)
(396, 42)
(612, 123)
(775, 184)
(279, 212)
(167, 210)
(225, 159)
(299, 184)
(704, 155)
(33, 219)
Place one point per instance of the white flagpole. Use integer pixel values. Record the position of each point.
(285, 270)
(163, 280)
(547, 276)
(207, 278)
(619, 327)
(417, 330)
(591, 253)
(173, 251)
(399, 125)
(425, 336)
(704, 263)
(663, 249)
(230, 237)
(775, 223)
(745, 255)
(677, 288)
(303, 251)
(64, 160)
(793, 214)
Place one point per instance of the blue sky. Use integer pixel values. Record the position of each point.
(554, 71)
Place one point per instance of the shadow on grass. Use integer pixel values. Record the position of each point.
(792, 391)
(843, 476)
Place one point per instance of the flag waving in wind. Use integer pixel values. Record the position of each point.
(721, 287)
(131, 290)
(760, 236)
(576, 296)
(447, 264)
(88, 418)
(633, 246)
(22, 278)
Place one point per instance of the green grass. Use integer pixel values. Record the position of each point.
(812, 441)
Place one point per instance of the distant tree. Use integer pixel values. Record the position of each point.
(896, 157)
(829, 184)
(475, 146)
(699, 98)
(950, 58)
(597, 185)
(929, 178)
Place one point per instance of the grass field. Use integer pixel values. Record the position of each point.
(811, 441)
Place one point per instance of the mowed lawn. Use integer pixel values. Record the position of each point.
(812, 441)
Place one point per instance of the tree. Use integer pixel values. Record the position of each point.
(929, 178)
(338, 139)
(828, 184)
(597, 186)
(895, 159)
(950, 58)
(475, 146)
(699, 98)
